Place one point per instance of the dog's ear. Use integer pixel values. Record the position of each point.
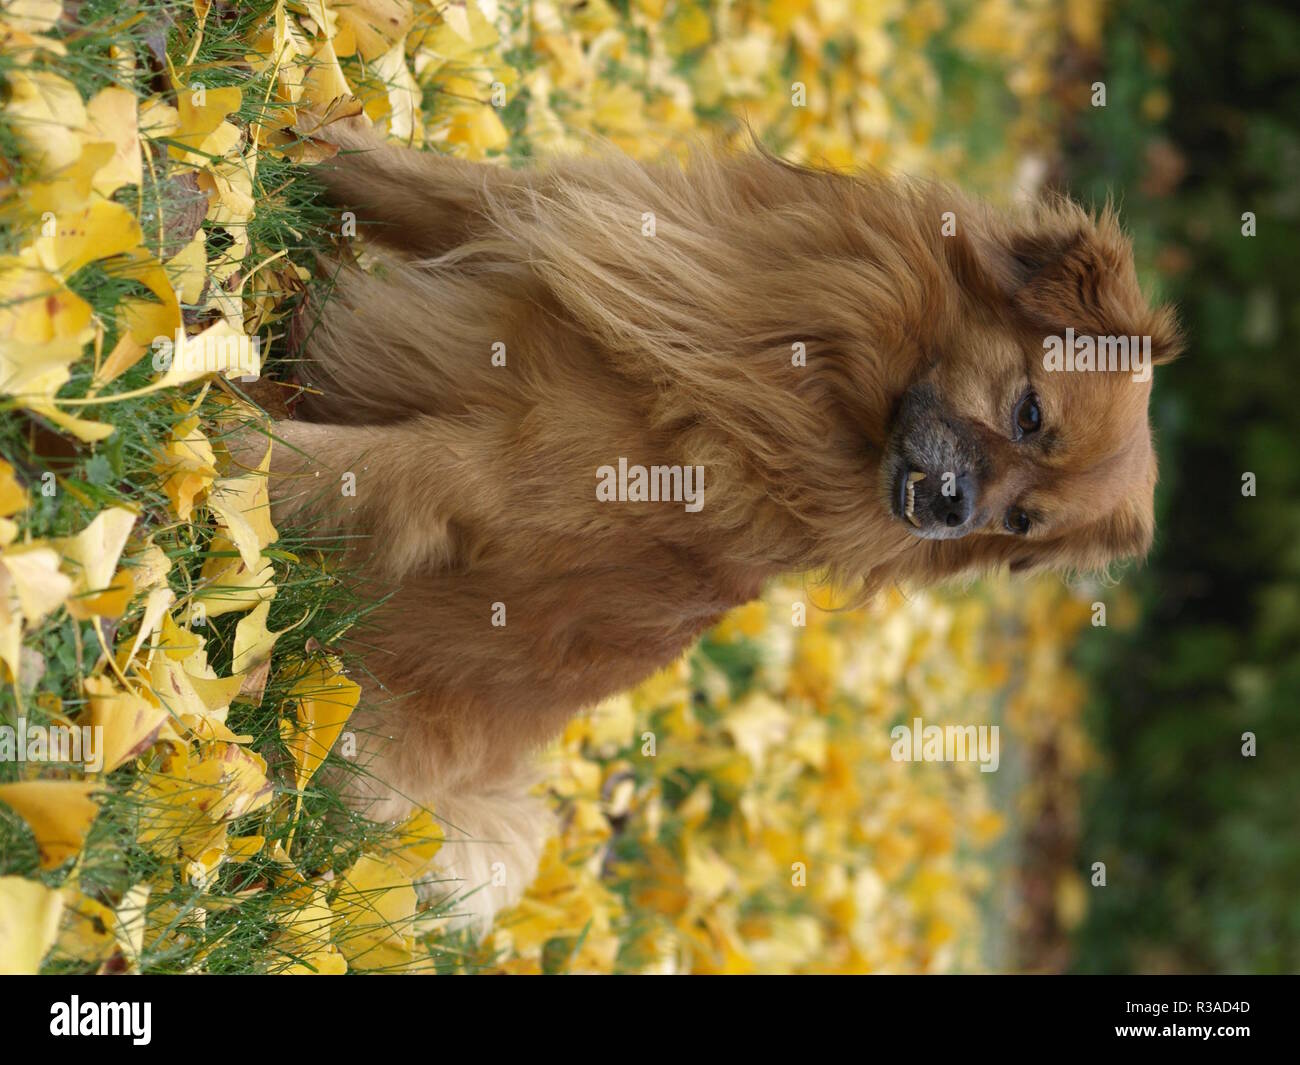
(1055, 267)
(996, 258)
(1078, 272)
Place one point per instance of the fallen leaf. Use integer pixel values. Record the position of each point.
(322, 700)
(59, 813)
(29, 924)
(130, 722)
(92, 556)
(376, 911)
(111, 117)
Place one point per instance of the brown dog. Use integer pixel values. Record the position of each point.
(815, 372)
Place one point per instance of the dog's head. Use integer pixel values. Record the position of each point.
(1025, 434)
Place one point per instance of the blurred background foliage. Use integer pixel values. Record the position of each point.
(1203, 851)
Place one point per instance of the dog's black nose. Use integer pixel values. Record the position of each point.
(955, 502)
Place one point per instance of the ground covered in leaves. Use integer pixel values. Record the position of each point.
(737, 813)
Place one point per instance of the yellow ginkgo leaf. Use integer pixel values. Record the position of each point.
(322, 700)
(560, 897)
(30, 587)
(251, 657)
(92, 555)
(376, 25)
(33, 16)
(109, 603)
(707, 874)
(149, 323)
(190, 465)
(47, 116)
(156, 605)
(158, 119)
(228, 584)
(217, 692)
(756, 725)
(130, 722)
(324, 82)
(448, 38)
(82, 428)
(29, 924)
(69, 187)
(200, 869)
(45, 326)
(307, 933)
(376, 911)
(244, 507)
(187, 803)
(188, 268)
(278, 47)
(192, 693)
(178, 643)
(241, 848)
(477, 128)
(239, 777)
(34, 581)
(13, 497)
(59, 813)
(229, 186)
(253, 640)
(457, 17)
(173, 808)
(111, 117)
(125, 354)
(149, 565)
(220, 348)
(301, 150)
(324, 961)
(201, 113)
(393, 105)
(417, 841)
(86, 932)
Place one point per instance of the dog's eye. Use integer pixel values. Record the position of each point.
(1017, 521)
(1029, 418)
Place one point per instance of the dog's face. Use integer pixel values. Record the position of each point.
(1010, 438)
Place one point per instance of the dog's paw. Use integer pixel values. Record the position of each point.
(494, 843)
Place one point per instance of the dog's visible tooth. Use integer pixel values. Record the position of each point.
(909, 505)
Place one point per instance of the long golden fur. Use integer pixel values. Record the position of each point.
(653, 312)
